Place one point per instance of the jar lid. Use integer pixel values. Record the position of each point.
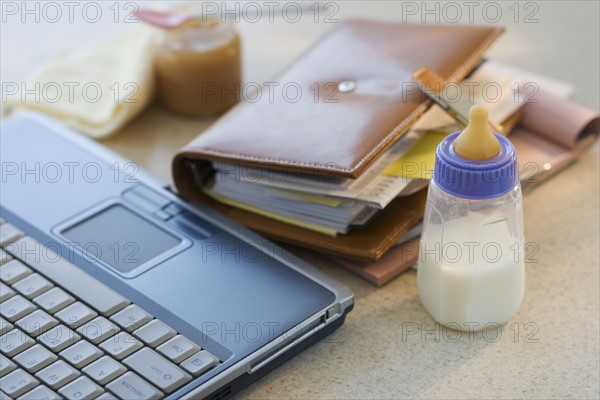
(474, 179)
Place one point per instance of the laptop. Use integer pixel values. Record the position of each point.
(114, 287)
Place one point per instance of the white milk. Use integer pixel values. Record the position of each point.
(467, 296)
(476, 275)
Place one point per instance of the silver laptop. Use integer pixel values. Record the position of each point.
(114, 287)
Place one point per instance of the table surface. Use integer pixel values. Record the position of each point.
(550, 349)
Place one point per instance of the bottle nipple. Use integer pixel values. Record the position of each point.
(477, 142)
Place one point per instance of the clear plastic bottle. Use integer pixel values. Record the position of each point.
(471, 270)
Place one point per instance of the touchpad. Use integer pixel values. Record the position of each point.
(121, 238)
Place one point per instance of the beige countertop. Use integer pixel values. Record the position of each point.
(389, 346)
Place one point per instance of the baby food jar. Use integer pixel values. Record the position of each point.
(199, 68)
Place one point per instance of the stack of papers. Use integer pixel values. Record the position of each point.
(331, 207)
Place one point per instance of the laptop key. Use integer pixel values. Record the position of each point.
(58, 338)
(76, 314)
(40, 393)
(81, 388)
(199, 363)
(5, 326)
(17, 382)
(54, 300)
(32, 285)
(104, 370)
(35, 358)
(6, 365)
(58, 374)
(4, 257)
(15, 308)
(36, 323)
(5, 292)
(157, 369)
(81, 354)
(71, 278)
(14, 342)
(107, 396)
(178, 348)
(98, 329)
(121, 345)
(13, 271)
(8, 234)
(131, 318)
(154, 333)
(131, 386)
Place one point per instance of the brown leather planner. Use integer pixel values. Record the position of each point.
(395, 261)
(358, 98)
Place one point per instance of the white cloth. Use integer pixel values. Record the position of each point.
(97, 89)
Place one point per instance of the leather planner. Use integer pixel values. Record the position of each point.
(366, 100)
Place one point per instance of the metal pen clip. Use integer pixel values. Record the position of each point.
(458, 107)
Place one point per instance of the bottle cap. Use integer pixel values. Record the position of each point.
(469, 174)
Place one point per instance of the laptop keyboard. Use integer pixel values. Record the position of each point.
(65, 334)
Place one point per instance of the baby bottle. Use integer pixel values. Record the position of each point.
(471, 271)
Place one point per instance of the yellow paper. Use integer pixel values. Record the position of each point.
(269, 214)
(418, 161)
(314, 198)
